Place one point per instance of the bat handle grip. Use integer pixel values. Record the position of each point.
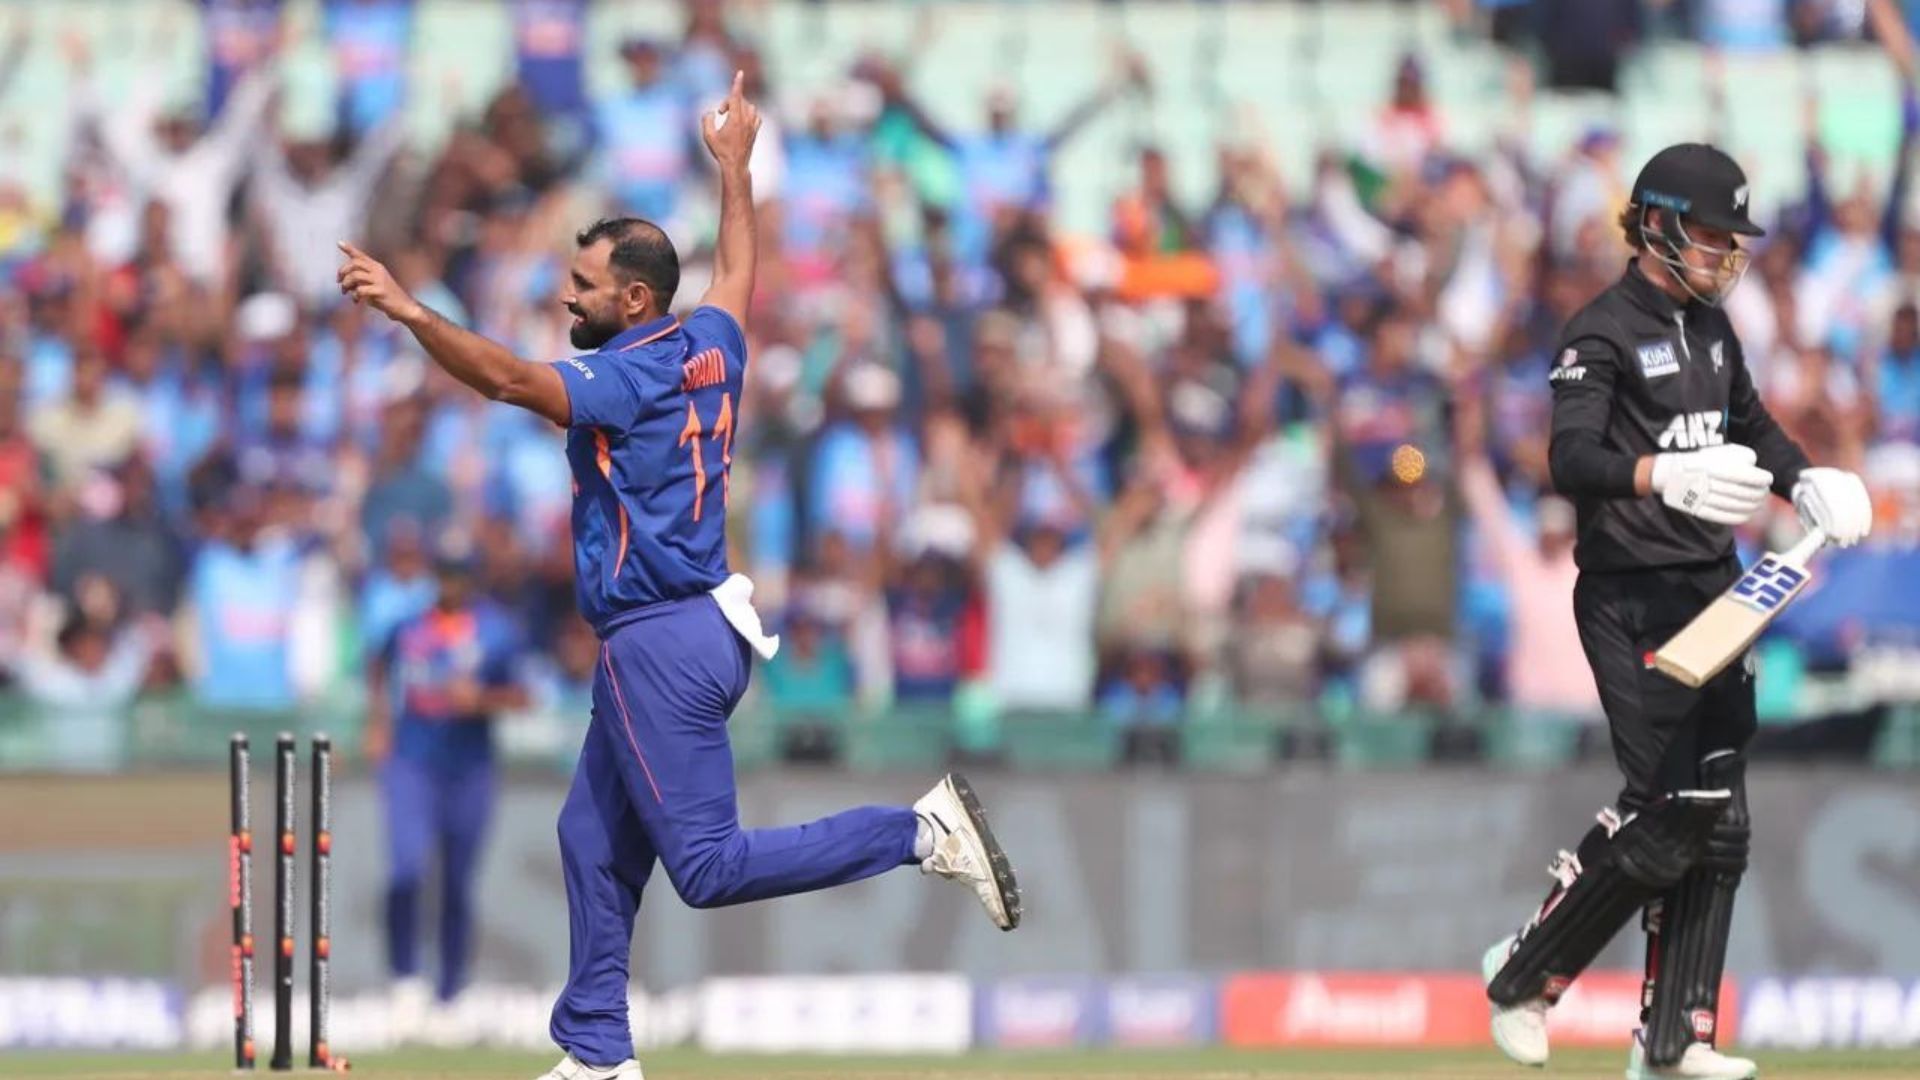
(1799, 553)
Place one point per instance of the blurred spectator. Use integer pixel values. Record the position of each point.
(119, 534)
(243, 592)
(1040, 590)
(282, 453)
(85, 677)
(549, 39)
(1409, 127)
(1274, 658)
(1144, 702)
(190, 171)
(1586, 41)
(1003, 169)
(369, 41)
(241, 35)
(646, 137)
(809, 685)
(308, 201)
(926, 610)
(1743, 25)
(399, 585)
(864, 469)
(1893, 378)
(1538, 572)
(96, 428)
(401, 488)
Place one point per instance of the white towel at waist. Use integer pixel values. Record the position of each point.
(735, 597)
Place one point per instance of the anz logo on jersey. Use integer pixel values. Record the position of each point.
(1695, 430)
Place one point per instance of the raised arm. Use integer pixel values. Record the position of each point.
(1133, 72)
(1889, 25)
(484, 365)
(894, 92)
(1893, 216)
(728, 132)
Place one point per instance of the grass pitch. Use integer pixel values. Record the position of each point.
(1173, 1065)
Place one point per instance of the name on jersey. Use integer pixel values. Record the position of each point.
(581, 366)
(1658, 359)
(707, 369)
(1694, 431)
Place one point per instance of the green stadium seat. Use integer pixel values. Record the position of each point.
(1065, 741)
(904, 739)
(1516, 740)
(1238, 739)
(753, 732)
(1366, 740)
(1898, 746)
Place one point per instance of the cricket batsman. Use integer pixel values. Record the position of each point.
(650, 415)
(1663, 444)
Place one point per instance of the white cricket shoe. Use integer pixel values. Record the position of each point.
(1520, 1031)
(1700, 1062)
(964, 848)
(572, 1068)
(409, 1008)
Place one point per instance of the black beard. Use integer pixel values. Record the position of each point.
(591, 334)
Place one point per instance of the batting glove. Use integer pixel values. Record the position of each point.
(1836, 501)
(1720, 484)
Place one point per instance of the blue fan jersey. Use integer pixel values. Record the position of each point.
(650, 441)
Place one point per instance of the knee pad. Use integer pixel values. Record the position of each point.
(1731, 837)
(1657, 846)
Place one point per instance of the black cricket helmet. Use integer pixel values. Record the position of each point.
(1698, 184)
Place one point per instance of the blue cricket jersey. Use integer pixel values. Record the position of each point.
(650, 442)
(424, 657)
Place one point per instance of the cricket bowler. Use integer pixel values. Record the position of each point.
(650, 413)
(1661, 441)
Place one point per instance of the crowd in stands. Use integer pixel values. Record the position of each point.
(1278, 448)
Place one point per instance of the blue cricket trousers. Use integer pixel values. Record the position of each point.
(655, 781)
(434, 807)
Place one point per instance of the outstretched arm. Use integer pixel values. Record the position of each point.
(729, 133)
(484, 365)
(1133, 72)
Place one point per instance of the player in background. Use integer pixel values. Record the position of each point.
(1664, 446)
(433, 689)
(650, 415)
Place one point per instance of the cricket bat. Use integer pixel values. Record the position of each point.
(1704, 647)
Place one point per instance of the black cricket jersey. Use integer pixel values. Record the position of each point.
(1640, 373)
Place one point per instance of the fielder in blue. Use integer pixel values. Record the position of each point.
(434, 688)
(650, 415)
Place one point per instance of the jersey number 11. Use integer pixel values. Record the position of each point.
(723, 431)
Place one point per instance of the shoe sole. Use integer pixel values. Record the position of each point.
(997, 862)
